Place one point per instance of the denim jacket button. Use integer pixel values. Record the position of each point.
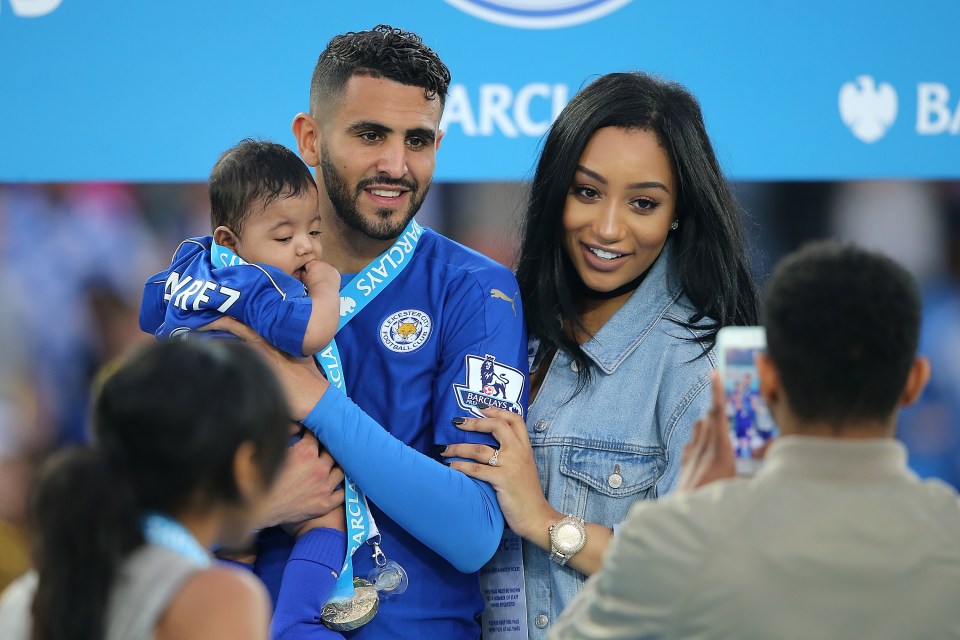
(615, 480)
(541, 425)
(574, 367)
(541, 621)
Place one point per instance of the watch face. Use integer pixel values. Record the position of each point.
(567, 538)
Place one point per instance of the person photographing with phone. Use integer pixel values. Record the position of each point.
(833, 537)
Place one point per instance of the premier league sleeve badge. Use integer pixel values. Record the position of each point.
(492, 383)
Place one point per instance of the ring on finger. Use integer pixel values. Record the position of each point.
(495, 458)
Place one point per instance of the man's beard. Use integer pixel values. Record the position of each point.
(379, 226)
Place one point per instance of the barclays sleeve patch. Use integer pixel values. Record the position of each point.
(491, 383)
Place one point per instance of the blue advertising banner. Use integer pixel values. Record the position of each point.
(154, 91)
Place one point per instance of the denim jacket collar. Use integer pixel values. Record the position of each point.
(628, 327)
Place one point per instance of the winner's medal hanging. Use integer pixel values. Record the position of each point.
(355, 612)
(355, 601)
(385, 580)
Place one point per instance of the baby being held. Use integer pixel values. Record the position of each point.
(262, 265)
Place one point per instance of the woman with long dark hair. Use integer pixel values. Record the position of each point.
(188, 438)
(632, 259)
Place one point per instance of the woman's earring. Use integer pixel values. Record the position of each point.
(674, 225)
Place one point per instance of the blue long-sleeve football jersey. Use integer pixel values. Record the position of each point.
(446, 334)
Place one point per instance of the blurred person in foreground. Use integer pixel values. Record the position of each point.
(123, 527)
(834, 537)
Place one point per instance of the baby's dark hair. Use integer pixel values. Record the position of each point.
(250, 176)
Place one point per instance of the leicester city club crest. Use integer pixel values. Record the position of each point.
(406, 330)
(490, 383)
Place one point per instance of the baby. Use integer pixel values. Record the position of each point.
(264, 251)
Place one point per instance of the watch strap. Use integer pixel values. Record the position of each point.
(558, 557)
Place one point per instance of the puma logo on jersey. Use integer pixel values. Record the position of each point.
(500, 295)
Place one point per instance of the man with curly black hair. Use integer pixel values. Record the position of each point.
(418, 321)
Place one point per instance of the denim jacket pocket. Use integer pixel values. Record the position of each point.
(609, 478)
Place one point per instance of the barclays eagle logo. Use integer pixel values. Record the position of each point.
(868, 109)
(347, 305)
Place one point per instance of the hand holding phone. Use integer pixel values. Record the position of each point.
(751, 426)
(708, 456)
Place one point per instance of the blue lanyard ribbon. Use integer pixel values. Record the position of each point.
(366, 285)
(164, 531)
(363, 288)
(223, 257)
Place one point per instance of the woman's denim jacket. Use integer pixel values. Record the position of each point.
(620, 439)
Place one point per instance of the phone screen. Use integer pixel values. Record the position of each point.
(751, 426)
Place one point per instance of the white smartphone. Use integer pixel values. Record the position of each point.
(751, 426)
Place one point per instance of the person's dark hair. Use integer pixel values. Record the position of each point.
(167, 424)
(251, 175)
(842, 330)
(382, 52)
(710, 261)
